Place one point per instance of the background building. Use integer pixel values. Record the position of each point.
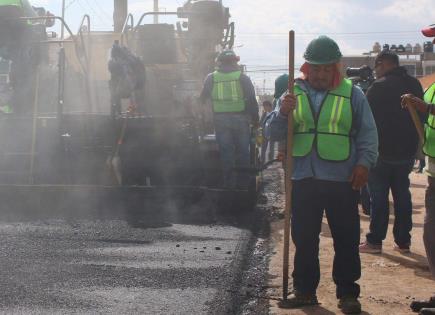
(419, 60)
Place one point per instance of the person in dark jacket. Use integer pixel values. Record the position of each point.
(398, 142)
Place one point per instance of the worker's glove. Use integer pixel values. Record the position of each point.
(411, 100)
(359, 177)
(259, 136)
(288, 103)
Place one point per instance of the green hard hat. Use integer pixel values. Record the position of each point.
(322, 51)
(281, 85)
(228, 55)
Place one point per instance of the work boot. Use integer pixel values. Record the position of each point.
(349, 305)
(369, 248)
(416, 306)
(403, 249)
(427, 311)
(298, 300)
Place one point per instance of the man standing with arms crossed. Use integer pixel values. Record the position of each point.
(335, 145)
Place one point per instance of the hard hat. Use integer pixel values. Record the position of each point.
(429, 31)
(281, 85)
(322, 51)
(228, 56)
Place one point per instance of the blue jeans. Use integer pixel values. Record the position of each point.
(270, 155)
(383, 177)
(365, 199)
(233, 135)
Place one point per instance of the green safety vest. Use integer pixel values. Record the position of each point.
(227, 93)
(24, 5)
(329, 131)
(429, 128)
(16, 3)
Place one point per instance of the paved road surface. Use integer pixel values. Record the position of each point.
(88, 265)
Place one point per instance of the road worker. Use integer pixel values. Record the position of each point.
(427, 106)
(235, 109)
(335, 146)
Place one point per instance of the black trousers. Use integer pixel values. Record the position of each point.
(311, 198)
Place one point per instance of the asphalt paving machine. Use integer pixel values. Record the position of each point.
(82, 134)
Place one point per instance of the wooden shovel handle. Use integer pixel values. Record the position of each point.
(288, 170)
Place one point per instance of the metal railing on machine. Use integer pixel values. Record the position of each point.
(81, 52)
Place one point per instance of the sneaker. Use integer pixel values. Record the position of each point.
(427, 311)
(298, 300)
(368, 248)
(349, 305)
(416, 306)
(403, 249)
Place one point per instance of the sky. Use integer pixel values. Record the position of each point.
(262, 25)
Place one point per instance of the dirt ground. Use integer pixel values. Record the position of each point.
(389, 281)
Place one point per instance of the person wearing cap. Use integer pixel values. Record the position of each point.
(427, 106)
(398, 143)
(235, 108)
(335, 145)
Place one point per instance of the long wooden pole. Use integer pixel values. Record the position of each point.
(62, 27)
(417, 123)
(156, 9)
(288, 170)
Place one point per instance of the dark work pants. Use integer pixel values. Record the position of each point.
(311, 198)
(383, 177)
(429, 224)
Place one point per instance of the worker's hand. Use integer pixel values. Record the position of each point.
(288, 103)
(359, 177)
(411, 100)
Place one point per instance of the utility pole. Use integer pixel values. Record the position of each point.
(156, 9)
(120, 12)
(62, 30)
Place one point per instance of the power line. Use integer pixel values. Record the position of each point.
(99, 17)
(69, 4)
(331, 33)
(102, 9)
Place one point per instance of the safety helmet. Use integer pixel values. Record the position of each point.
(429, 32)
(281, 85)
(228, 56)
(322, 51)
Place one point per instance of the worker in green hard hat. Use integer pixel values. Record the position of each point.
(335, 144)
(235, 109)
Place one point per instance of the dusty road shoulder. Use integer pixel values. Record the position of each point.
(389, 281)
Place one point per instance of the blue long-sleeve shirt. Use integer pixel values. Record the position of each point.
(364, 140)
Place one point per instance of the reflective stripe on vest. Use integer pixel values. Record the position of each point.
(429, 128)
(227, 93)
(330, 131)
